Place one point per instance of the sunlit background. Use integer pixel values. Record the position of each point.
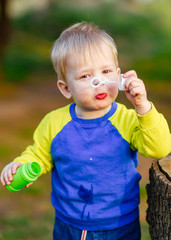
(142, 32)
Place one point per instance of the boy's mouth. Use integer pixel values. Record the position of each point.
(101, 96)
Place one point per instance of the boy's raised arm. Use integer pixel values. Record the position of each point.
(152, 138)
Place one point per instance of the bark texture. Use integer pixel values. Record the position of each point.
(159, 199)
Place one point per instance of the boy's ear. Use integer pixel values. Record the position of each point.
(63, 87)
(118, 72)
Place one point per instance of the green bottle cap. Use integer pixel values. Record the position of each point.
(28, 172)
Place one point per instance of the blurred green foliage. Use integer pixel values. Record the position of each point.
(24, 227)
(5, 151)
(142, 36)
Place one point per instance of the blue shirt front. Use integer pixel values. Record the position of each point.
(95, 184)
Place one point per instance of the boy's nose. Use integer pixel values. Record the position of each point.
(97, 82)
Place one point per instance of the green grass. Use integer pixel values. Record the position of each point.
(144, 224)
(143, 193)
(25, 227)
(19, 227)
(145, 231)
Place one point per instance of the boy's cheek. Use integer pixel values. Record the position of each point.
(113, 90)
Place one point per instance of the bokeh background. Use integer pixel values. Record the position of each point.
(142, 32)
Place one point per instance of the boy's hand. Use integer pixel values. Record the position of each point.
(136, 92)
(8, 172)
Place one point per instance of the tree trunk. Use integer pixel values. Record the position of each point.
(159, 199)
(5, 30)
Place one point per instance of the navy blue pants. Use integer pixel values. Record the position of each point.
(63, 231)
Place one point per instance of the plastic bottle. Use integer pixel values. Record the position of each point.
(122, 81)
(28, 172)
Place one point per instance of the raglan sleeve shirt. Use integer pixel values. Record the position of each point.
(149, 134)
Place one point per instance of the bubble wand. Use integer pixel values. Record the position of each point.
(96, 82)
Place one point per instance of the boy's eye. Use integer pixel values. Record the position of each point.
(106, 71)
(85, 76)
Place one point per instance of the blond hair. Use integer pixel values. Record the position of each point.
(78, 39)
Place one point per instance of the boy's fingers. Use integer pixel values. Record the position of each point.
(134, 91)
(2, 178)
(130, 73)
(133, 82)
(6, 178)
(136, 83)
(12, 170)
(15, 166)
(8, 171)
(28, 185)
(9, 174)
(130, 81)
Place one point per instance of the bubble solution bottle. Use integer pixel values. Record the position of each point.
(28, 172)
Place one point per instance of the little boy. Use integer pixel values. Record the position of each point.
(91, 145)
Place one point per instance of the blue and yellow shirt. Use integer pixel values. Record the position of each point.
(95, 184)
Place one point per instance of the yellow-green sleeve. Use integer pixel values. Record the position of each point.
(40, 151)
(149, 133)
(151, 137)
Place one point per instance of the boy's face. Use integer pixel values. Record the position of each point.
(94, 102)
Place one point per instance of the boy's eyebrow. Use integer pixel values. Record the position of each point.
(85, 70)
(109, 66)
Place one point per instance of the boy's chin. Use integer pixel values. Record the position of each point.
(103, 108)
(101, 104)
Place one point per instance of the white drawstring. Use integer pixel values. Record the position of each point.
(84, 234)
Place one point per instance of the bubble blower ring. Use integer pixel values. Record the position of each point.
(96, 82)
